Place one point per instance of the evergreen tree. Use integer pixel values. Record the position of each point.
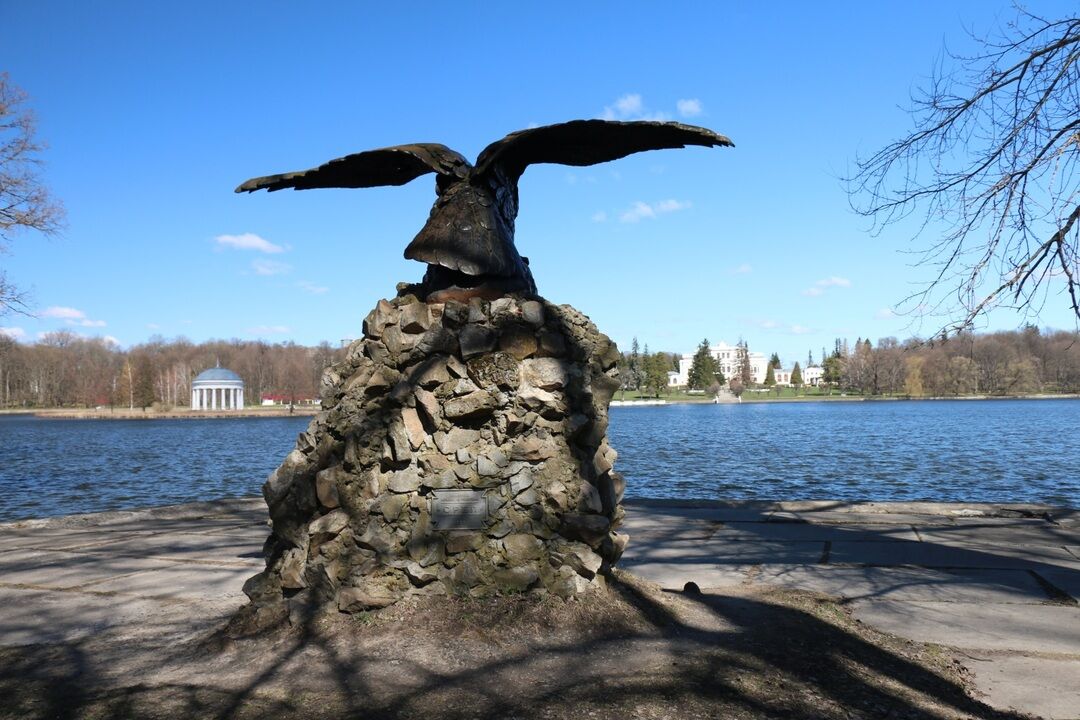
(143, 382)
(703, 369)
(809, 358)
(656, 370)
(770, 376)
(745, 373)
(634, 366)
(774, 361)
(832, 369)
(796, 376)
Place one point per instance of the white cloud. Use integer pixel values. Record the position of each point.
(630, 107)
(769, 324)
(571, 179)
(312, 288)
(270, 267)
(65, 313)
(642, 210)
(599, 216)
(639, 211)
(689, 108)
(15, 333)
(885, 314)
(820, 285)
(111, 339)
(799, 330)
(71, 316)
(744, 269)
(248, 241)
(666, 206)
(153, 326)
(268, 330)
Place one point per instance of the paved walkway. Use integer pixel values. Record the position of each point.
(998, 583)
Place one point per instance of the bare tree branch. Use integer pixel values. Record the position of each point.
(25, 203)
(991, 167)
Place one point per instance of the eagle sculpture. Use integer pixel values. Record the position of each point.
(468, 241)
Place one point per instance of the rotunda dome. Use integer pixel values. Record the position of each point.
(217, 374)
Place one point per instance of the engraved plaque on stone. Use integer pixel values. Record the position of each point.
(458, 509)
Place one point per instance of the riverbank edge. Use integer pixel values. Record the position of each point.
(311, 411)
(229, 505)
(124, 414)
(841, 398)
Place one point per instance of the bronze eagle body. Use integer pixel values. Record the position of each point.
(468, 241)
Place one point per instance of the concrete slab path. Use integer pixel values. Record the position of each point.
(999, 583)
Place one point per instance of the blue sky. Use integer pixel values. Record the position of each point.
(154, 112)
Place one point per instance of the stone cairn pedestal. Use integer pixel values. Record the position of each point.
(461, 449)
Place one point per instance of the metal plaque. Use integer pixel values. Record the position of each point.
(458, 509)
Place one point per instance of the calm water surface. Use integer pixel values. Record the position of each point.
(994, 451)
(962, 450)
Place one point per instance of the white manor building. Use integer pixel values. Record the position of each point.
(810, 375)
(727, 357)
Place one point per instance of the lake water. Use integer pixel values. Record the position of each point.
(991, 451)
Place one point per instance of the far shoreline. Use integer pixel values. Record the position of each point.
(312, 410)
(178, 414)
(654, 402)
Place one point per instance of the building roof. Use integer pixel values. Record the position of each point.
(217, 374)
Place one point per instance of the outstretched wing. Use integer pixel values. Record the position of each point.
(588, 142)
(395, 165)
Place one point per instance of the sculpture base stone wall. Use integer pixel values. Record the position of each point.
(461, 449)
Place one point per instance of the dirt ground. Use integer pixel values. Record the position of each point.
(633, 652)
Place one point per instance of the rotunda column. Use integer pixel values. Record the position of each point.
(213, 398)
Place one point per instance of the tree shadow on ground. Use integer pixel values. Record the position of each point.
(633, 652)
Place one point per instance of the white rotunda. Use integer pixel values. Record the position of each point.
(217, 389)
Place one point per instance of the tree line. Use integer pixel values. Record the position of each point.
(65, 370)
(1001, 363)
(643, 372)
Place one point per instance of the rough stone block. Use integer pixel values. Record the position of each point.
(414, 428)
(404, 481)
(474, 405)
(384, 314)
(546, 373)
(519, 343)
(532, 313)
(415, 318)
(475, 339)
(326, 487)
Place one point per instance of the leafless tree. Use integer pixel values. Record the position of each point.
(25, 203)
(991, 165)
